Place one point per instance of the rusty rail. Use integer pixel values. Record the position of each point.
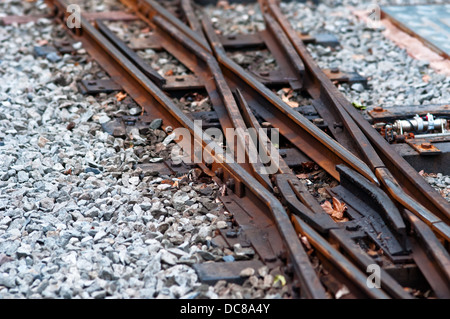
(155, 102)
(360, 166)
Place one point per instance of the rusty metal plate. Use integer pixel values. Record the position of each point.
(99, 86)
(424, 147)
(241, 41)
(345, 77)
(258, 227)
(211, 273)
(293, 157)
(433, 164)
(430, 23)
(183, 82)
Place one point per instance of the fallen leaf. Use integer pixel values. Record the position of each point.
(302, 176)
(372, 253)
(359, 106)
(169, 73)
(426, 78)
(323, 192)
(280, 278)
(421, 173)
(120, 96)
(308, 166)
(290, 103)
(336, 210)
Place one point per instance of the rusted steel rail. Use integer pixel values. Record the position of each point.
(357, 134)
(380, 215)
(326, 98)
(263, 204)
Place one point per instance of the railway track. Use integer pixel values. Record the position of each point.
(394, 219)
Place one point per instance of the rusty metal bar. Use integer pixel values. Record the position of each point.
(396, 192)
(436, 252)
(295, 62)
(251, 195)
(146, 93)
(326, 152)
(189, 13)
(245, 144)
(137, 60)
(147, 9)
(356, 276)
(389, 284)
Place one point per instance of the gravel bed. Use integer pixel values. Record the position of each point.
(76, 219)
(394, 77)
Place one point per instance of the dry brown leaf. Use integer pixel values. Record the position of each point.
(323, 192)
(372, 253)
(169, 73)
(336, 210)
(290, 94)
(120, 96)
(290, 103)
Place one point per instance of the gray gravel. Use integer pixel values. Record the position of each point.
(76, 220)
(439, 182)
(394, 77)
(20, 7)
